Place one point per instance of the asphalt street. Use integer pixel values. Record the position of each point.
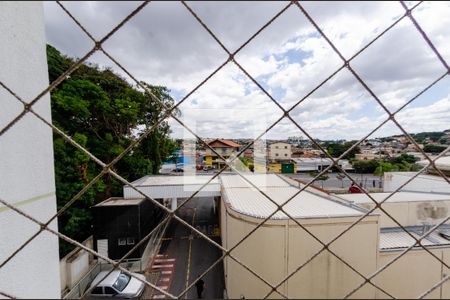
(190, 254)
(333, 182)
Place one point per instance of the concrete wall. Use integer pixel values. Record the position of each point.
(75, 265)
(280, 246)
(26, 151)
(413, 274)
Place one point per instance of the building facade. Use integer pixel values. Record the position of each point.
(279, 150)
(225, 148)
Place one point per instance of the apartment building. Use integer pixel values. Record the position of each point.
(279, 150)
(225, 148)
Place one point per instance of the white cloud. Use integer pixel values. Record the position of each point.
(165, 45)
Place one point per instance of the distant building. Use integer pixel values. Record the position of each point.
(369, 156)
(279, 150)
(318, 164)
(225, 148)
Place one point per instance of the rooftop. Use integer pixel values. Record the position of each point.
(226, 142)
(164, 180)
(397, 197)
(442, 163)
(117, 201)
(397, 238)
(249, 201)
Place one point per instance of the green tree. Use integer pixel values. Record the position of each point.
(404, 158)
(105, 114)
(435, 149)
(337, 149)
(365, 166)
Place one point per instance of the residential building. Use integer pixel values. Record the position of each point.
(369, 156)
(225, 148)
(279, 150)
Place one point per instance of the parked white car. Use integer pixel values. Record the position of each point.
(117, 284)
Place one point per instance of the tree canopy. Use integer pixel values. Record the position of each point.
(104, 113)
(337, 149)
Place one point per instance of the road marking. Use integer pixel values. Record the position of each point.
(164, 287)
(161, 260)
(162, 266)
(166, 239)
(166, 272)
(165, 279)
(189, 254)
(159, 296)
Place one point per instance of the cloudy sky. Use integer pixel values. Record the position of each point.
(165, 45)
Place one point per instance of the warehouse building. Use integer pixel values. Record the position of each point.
(280, 246)
(421, 204)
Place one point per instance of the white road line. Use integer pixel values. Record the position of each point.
(159, 296)
(164, 279)
(164, 287)
(162, 266)
(166, 272)
(164, 260)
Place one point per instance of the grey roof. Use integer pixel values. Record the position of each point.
(307, 204)
(397, 238)
(174, 180)
(116, 201)
(259, 180)
(174, 186)
(442, 163)
(397, 197)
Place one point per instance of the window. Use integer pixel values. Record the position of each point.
(121, 282)
(97, 290)
(285, 154)
(285, 147)
(110, 291)
(276, 147)
(130, 241)
(122, 241)
(276, 154)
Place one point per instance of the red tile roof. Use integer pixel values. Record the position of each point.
(226, 143)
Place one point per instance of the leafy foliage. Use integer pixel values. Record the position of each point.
(337, 149)
(103, 113)
(433, 148)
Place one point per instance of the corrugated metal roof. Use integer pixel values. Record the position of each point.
(397, 197)
(116, 201)
(174, 180)
(251, 202)
(173, 191)
(396, 238)
(259, 180)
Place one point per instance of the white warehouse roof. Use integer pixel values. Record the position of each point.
(397, 197)
(442, 163)
(251, 202)
(259, 180)
(173, 186)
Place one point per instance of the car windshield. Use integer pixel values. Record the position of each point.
(121, 282)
